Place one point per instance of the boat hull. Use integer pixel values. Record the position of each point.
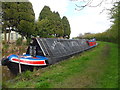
(14, 67)
(25, 62)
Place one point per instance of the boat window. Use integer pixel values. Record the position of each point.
(34, 49)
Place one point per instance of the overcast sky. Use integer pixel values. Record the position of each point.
(87, 20)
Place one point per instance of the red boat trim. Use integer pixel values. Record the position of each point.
(42, 62)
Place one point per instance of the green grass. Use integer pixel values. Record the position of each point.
(95, 68)
(110, 77)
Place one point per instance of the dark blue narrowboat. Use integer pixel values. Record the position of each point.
(46, 51)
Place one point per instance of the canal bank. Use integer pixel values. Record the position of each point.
(5, 74)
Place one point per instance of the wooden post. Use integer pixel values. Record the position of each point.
(19, 61)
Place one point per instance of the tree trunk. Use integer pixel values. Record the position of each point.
(9, 36)
(5, 36)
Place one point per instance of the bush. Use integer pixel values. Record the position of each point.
(3, 42)
(5, 46)
(28, 41)
(19, 41)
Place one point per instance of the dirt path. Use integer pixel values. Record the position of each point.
(88, 78)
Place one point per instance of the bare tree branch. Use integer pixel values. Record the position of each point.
(103, 10)
(89, 4)
(97, 4)
(81, 7)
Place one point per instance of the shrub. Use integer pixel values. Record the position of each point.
(5, 46)
(3, 42)
(19, 41)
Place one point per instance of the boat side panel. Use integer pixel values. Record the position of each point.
(60, 48)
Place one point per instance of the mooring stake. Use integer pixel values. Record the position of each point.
(19, 61)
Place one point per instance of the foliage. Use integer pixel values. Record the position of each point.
(5, 46)
(19, 41)
(19, 17)
(66, 26)
(44, 28)
(3, 42)
(45, 13)
(8, 17)
(4, 85)
(57, 25)
(28, 41)
(26, 19)
(51, 25)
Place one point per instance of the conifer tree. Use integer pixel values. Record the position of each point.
(54, 26)
(66, 27)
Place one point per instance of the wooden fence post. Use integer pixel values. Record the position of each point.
(19, 60)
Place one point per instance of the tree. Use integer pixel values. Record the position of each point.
(45, 22)
(8, 18)
(115, 13)
(50, 22)
(45, 13)
(19, 17)
(26, 28)
(66, 27)
(26, 19)
(43, 28)
(58, 26)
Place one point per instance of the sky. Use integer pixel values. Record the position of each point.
(89, 19)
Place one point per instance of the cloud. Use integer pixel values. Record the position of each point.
(89, 22)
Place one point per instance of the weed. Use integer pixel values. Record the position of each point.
(43, 85)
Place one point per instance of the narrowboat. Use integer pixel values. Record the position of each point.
(46, 51)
